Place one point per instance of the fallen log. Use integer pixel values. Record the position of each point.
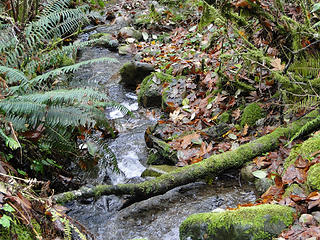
(208, 168)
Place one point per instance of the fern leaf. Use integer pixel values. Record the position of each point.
(68, 69)
(13, 75)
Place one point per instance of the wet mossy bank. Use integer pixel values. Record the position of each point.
(260, 222)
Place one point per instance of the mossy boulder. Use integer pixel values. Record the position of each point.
(130, 32)
(104, 40)
(125, 50)
(304, 150)
(133, 73)
(260, 222)
(313, 179)
(251, 113)
(157, 170)
(150, 94)
(294, 189)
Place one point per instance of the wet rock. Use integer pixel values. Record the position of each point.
(246, 173)
(257, 222)
(313, 179)
(158, 170)
(294, 189)
(104, 40)
(263, 184)
(316, 216)
(125, 50)
(130, 32)
(306, 219)
(150, 94)
(132, 73)
(164, 153)
(216, 132)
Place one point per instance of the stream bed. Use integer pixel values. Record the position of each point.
(158, 217)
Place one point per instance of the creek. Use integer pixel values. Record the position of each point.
(158, 217)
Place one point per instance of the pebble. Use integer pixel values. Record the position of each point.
(306, 219)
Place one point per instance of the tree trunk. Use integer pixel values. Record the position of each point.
(208, 168)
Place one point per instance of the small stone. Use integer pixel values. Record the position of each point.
(263, 184)
(218, 210)
(316, 216)
(246, 173)
(125, 50)
(130, 32)
(306, 219)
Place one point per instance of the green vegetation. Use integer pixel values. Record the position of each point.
(313, 180)
(257, 223)
(252, 113)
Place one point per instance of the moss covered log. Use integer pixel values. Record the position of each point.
(209, 167)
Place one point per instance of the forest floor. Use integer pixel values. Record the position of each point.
(173, 43)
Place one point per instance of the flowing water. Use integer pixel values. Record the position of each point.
(155, 218)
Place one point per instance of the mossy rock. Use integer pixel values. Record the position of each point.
(157, 170)
(104, 40)
(294, 189)
(100, 35)
(133, 73)
(251, 113)
(304, 150)
(313, 178)
(150, 94)
(130, 32)
(260, 222)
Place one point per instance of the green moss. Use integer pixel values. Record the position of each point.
(245, 86)
(305, 149)
(66, 61)
(258, 222)
(313, 179)
(251, 114)
(149, 80)
(293, 189)
(99, 35)
(158, 170)
(21, 231)
(224, 117)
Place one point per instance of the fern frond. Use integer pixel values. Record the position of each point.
(54, 6)
(59, 137)
(69, 116)
(46, 59)
(63, 96)
(13, 75)
(68, 69)
(309, 126)
(306, 103)
(306, 67)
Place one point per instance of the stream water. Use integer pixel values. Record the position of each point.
(155, 218)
